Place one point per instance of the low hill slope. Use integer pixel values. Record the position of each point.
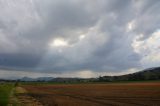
(148, 74)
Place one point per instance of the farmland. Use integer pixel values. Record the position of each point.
(111, 94)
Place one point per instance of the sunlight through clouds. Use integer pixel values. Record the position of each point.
(149, 49)
(59, 42)
(105, 36)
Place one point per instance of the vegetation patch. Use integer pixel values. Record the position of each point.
(5, 90)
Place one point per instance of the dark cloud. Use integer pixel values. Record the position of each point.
(95, 35)
(19, 61)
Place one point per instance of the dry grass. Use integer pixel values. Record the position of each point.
(124, 94)
(24, 99)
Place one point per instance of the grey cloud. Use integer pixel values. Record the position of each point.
(147, 17)
(21, 61)
(107, 45)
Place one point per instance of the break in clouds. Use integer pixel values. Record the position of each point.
(78, 38)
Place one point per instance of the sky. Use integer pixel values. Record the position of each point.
(78, 38)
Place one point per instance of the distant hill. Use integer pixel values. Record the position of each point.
(36, 79)
(147, 74)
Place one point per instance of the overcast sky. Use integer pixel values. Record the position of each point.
(78, 38)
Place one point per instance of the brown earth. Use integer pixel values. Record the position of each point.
(118, 94)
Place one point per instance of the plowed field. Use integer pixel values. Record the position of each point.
(116, 94)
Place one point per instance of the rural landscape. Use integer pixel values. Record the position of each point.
(124, 90)
(79, 52)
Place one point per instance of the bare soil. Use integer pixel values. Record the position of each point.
(117, 94)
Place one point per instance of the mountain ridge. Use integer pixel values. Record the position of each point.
(146, 74)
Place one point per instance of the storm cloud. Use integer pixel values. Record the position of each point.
(84, 37)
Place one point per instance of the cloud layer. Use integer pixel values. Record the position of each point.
(59, 36)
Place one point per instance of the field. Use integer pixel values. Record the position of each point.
(5, 92)
(113, 94)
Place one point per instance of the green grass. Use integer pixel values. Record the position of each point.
(5, 90)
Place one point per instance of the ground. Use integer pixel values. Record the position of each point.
(21, 98)
(118, 94)
(95, 94)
